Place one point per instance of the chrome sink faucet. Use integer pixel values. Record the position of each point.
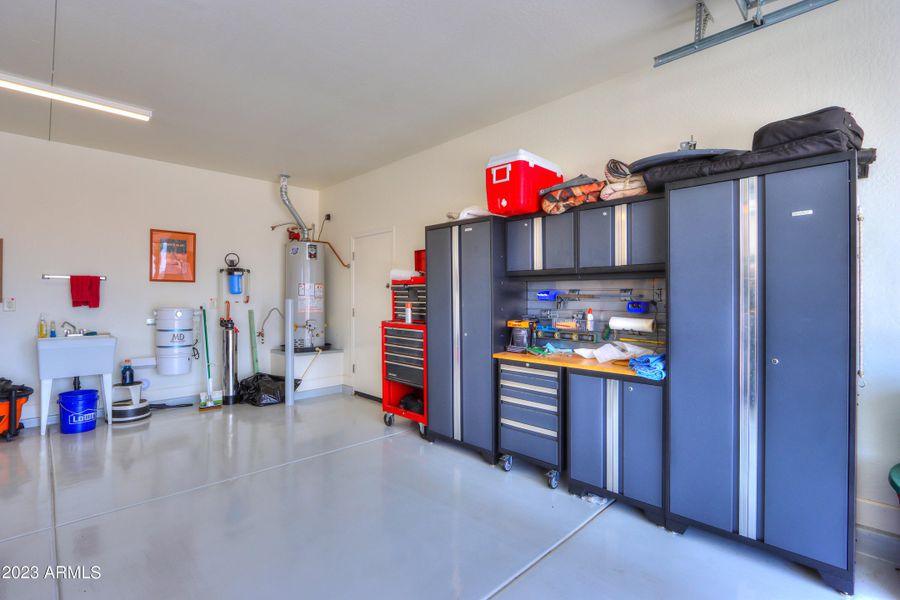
(65, 327)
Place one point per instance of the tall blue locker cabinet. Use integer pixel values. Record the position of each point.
(762, 359)
(469, 301)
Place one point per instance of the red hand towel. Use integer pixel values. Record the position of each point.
(85, 290)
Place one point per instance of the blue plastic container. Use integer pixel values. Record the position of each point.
(234, 283)
(77, 411)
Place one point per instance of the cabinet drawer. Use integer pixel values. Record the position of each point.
(527, 443)
(390, 348)
(415, 361)
(398, 332)
(524, 397)
(536, 380)
(533, 417)
(404, 341)
(404, 373)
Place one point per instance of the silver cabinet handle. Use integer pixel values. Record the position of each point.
(775, 361)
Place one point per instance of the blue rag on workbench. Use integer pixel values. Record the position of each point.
(649, 366)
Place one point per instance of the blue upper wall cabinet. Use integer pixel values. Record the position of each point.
(596, 237)
(559, 241)
(647, 235)
(593, 238)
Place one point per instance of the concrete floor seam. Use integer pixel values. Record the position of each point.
(226, 480)
(19, 536)
(54, 545)
(549, 551)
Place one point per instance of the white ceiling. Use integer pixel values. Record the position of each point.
(322, 90)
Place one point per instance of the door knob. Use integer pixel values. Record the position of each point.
(775, 361)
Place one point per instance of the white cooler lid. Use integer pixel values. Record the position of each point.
(520, 154)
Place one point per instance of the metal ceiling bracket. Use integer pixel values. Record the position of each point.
(744, 6)
(702, 17)
(759, 21)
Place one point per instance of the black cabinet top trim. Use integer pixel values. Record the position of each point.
(766, 170)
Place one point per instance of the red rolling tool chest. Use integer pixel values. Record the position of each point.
(404, 365)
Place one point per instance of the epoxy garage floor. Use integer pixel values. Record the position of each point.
(323, 500)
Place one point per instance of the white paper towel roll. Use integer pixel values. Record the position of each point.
(632, 324)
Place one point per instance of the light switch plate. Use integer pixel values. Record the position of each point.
(9, 305)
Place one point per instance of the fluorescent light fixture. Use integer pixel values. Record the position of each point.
(36, 88)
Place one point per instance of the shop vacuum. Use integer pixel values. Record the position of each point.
(12, 399)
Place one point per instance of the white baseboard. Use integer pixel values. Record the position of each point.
(877, 515)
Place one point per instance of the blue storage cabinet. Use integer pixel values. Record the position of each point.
(642, 443)
(808, 255)
(531, 416)
(559, 242)
(762, 362)
(702, 353)
(519, 245)
(439, 317)
(600, 237)
(615, 439)
(596, 237)
(469, 301)
(647, 232)
(540, 243)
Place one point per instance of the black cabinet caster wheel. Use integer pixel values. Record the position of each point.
(423, 431)
(553, 479)
(388, 419)
(506, 462)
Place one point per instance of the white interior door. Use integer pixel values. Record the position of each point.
(371, 267)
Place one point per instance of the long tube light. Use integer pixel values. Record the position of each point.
(744, 28)
(36, 88)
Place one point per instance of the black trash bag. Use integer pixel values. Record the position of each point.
(263, 389)
(413, 403)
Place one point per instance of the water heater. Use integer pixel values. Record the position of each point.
(304, 282)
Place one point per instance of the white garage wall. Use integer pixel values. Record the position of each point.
(66, 209)
(845, 54)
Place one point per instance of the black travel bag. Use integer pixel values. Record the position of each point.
(822, 132)
(823, 121)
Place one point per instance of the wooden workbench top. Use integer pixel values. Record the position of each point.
(569, 361)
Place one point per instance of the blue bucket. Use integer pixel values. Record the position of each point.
(77, 411)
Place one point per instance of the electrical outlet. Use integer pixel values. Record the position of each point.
(9, 305)
(327, 216)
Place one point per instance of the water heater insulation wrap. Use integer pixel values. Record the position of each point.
(304, 282)
(174, 340)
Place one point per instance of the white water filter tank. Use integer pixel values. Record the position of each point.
(174, 340)
(304, 283)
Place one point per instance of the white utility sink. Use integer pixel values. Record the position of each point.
(75, 356)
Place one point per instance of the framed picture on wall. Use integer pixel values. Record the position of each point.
(173, 255)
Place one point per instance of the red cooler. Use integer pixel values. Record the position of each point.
(515, 179)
